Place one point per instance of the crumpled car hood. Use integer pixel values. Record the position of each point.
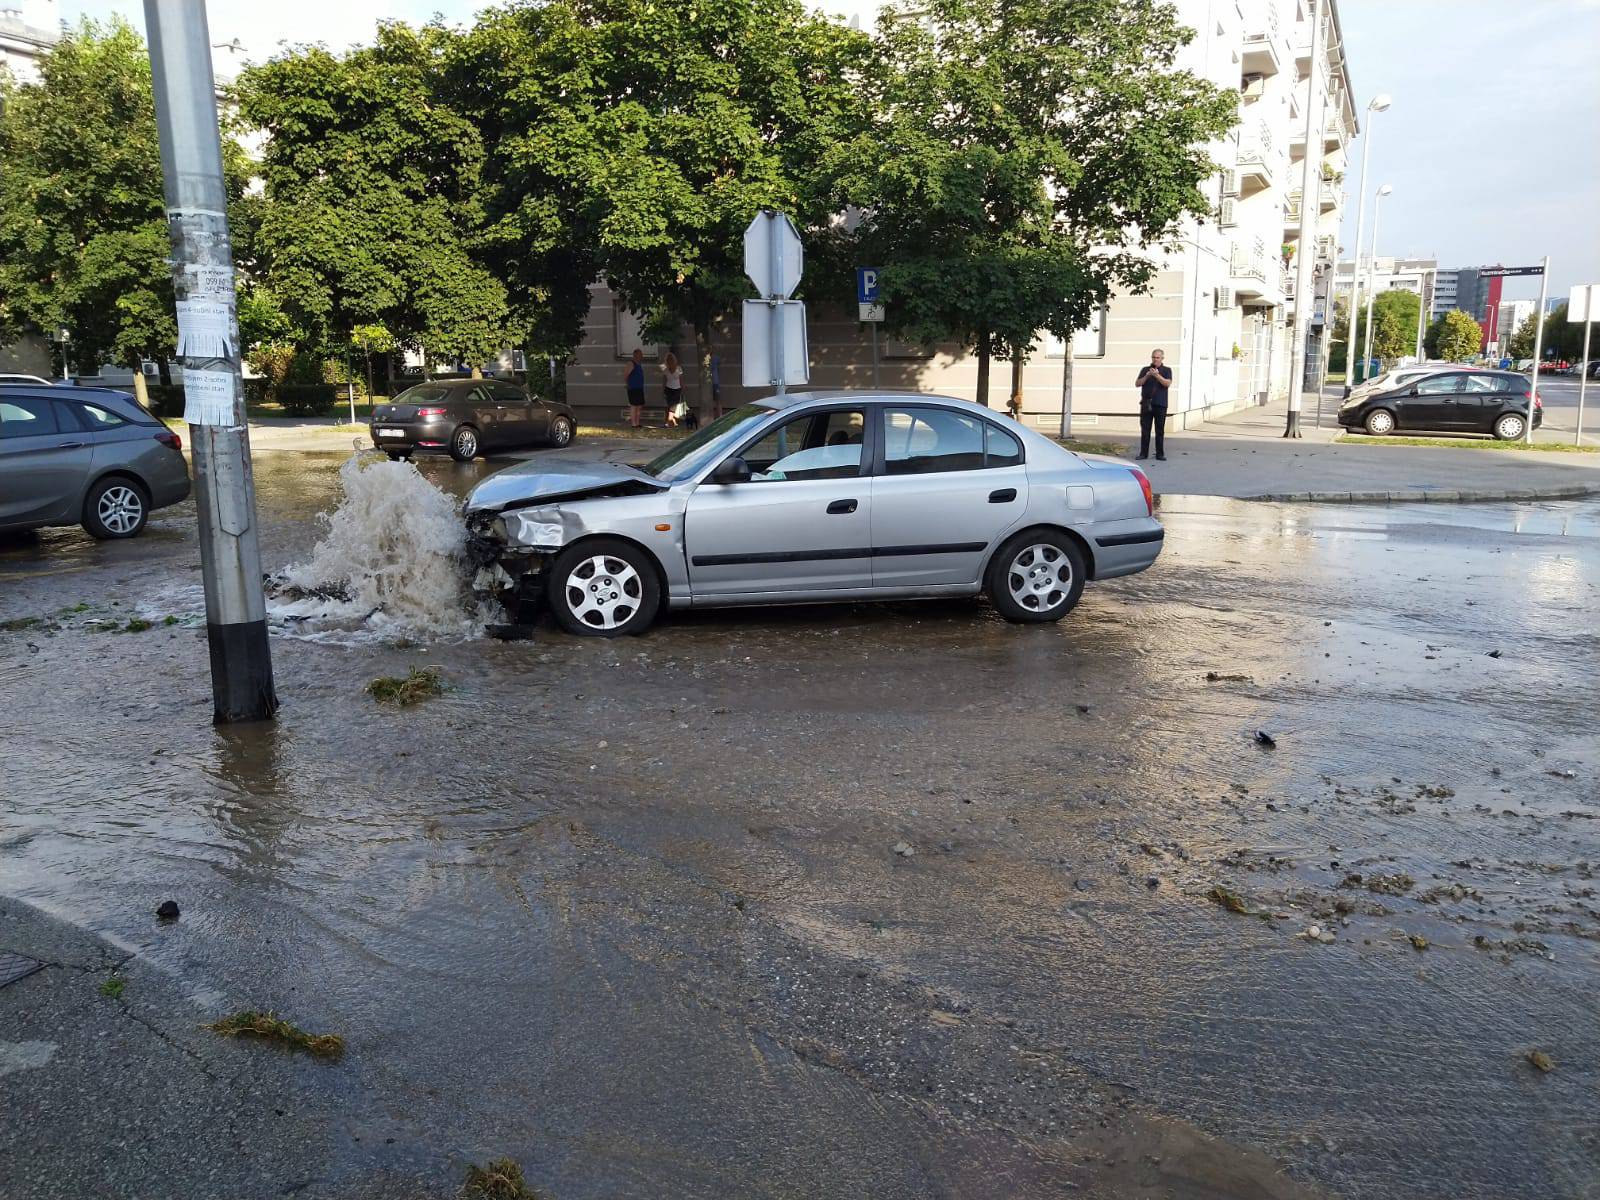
(546, 479)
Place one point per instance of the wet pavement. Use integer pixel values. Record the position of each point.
(632, 913)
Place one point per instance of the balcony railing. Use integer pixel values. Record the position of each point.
(1245, 264)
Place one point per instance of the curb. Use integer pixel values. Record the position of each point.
(1433, 496)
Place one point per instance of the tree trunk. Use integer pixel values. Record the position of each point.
(369, 376)
(1015, 404)
(141, 390)
(982, 393)
(702, 346)
(166, 371)
(477, 373)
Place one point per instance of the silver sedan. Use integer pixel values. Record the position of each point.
(814, 496)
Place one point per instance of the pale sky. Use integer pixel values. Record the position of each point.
(1492, 142)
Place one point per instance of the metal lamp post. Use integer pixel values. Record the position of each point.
(1372, 272)
(1310, 207)
(1379, 103)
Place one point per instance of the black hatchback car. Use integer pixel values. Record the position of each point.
(1493, 402)
(465, 418)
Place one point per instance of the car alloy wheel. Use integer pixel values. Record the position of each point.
(1509, 427)
(464, 445)
(560, 432)
(120, 510)
(603, 591)
(1380, 422)
(1039, 577)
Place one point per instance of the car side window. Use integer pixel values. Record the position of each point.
(506, 393)
(1000, 449)
(1486, 383)
(1438, 385)
(26, 416)
(825, 445)
(94, 418)
(480, 395)
(919, 441)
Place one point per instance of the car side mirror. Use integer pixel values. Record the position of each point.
(1413, 391)
(731, 470)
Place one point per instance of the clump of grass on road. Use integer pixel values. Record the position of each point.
(1465, 443)
(500, 1180)
(405, 690)
(1086, 446)
(270, 1027)
(112, 987)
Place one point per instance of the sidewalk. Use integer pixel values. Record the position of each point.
(1245, 456)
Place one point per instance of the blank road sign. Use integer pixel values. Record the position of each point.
(1583, 303)
(759, 260)
(759, 369)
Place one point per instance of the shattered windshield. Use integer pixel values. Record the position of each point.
(693, 453)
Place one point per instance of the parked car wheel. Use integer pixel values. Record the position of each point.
(1380, 421)
(464, 444)
(116, 507)
(561, 431)
(399, 455)
(1510, 427)
(604, 588)
(1036, 576)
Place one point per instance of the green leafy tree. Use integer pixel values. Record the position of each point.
(83, 232)
(1020, 158)
(1454, 337)
(372, 186)
(370, 339)
(1521, 344)
(1563, 339)
(1394, 324)
(635, 140)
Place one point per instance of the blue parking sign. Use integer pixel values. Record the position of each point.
(866, 285)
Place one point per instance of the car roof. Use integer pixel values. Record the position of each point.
(65, 391)
(860, 396)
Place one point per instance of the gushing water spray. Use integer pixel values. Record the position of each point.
(392, 561)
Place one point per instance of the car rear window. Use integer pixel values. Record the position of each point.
(423, 393)
(26, 416)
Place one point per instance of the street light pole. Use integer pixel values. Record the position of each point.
(208, 345)
(1379, 103)
(1372, 274)
(1310, 209)
(1422, 304)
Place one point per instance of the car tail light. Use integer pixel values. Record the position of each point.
(167, 438)
(1144, 486)
(430, 412)
(1538, 401)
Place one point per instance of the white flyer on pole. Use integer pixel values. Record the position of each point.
(208, 282)
(203, 329)
(208, 397)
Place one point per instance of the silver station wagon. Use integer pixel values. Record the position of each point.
(814, 496)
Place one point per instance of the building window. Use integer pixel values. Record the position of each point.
(896, 348)
(1086, 343)
(630, 336)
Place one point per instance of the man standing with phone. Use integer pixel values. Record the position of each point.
(1153, 383)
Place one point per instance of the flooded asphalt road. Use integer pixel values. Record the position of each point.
(631, 913)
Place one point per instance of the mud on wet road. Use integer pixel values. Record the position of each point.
(888, 901)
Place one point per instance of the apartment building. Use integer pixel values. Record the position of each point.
(28, 28)
(1220, 304)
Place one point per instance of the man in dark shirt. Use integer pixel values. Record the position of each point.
(1153, 383)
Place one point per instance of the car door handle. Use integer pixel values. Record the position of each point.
(71, 445)
(839, 507)
(1003, 496)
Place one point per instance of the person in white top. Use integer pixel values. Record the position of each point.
(672, 379)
